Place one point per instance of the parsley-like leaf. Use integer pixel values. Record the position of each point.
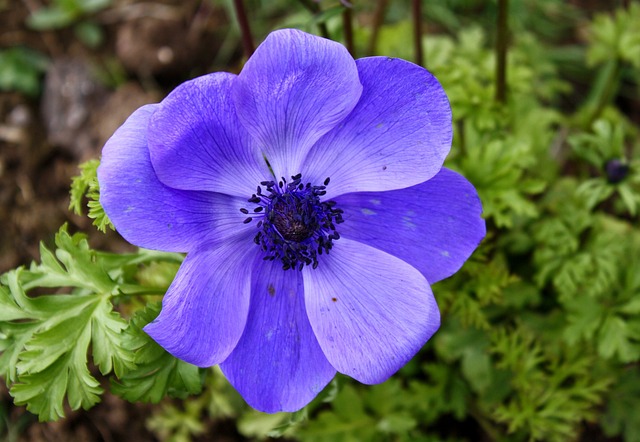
(158, 373)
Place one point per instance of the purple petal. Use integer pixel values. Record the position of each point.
(434, 226)
(397, 136)
(370, 311)
(205, 309)
(294, 89)
(278, 364)
(146, 212)
(197, 142)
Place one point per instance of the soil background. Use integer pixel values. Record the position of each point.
(148, 48)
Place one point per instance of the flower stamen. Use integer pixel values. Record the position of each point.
(295, 225)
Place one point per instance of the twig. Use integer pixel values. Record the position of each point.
(245, 29)
(378, 20)
(347, 25)
(501, 52)
(417, 31)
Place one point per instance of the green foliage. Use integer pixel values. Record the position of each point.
(47, 348)
(622, 415)
(86, 185)
(20, 70)
(616, 36)
(551, 393)
(63, 13)
(541, 332)
(156, 374)
(45, 339)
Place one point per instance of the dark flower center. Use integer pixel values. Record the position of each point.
(616, 171)
(294, 225)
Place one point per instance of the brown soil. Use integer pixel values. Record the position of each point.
(154, 46)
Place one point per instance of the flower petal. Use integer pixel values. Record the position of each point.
(434, 226)
(278, 364)
(292, 90)
(397, 136)
(146, 212)
(197, 142)
(205, 309)
(370, 311)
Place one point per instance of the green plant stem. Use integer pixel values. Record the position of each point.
(416, 12)
(376, 24)
(604, 88)
(245, 29)
(347, 27)
(501, 52)
(314, 8)
(134, 290)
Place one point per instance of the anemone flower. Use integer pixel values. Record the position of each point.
(309, 196)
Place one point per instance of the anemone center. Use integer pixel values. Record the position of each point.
(294, 225)
(294, 216)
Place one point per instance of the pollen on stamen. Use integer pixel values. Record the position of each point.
(294, 225)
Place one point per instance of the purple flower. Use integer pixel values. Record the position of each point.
(309, 195)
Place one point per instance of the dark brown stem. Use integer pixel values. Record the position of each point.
(376, 24)
(245, 29)
(502, 38)
(347, 26)
(416, 11)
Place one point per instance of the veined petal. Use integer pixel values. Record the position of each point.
(146, 212)
(370, 311)
(434, 226)
(205, 309)
(397, 136)
(197, 142)
(278, 364)
(294, 89)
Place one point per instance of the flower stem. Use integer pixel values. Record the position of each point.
(603, 90)
(501, 52)
(245, 29)
(416, 11)
(376, 24)
(347, 26)
(314, 8)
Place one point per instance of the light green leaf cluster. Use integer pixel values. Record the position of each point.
(61, 13)
(86, 185)
(616, 36)
(46, 340)
(21, 69)
(551, 393)
(606, 142)
(157, 373)
(621, 416)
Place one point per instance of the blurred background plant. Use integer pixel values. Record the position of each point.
(541, 329)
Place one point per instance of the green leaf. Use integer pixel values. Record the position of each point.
(21, 69)
(45, 340)
(53, 17)
(348, 422)
(623, 407)
(158, 373)
(49, 361)
(89, 33)
(616, 338)
(63, 13)
(86, 184)
(106, 336)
